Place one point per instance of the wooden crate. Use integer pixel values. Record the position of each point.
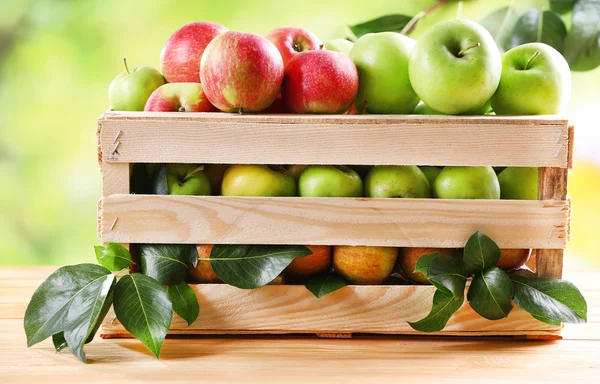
(541, 141)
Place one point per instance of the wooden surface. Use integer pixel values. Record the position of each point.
(301, 359)
(332, 221)
(321, 139)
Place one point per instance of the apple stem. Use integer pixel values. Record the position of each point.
(413, 22)
(321, 46)
(364, 108)
(462, 52)
(532, 58)
(126, 66)
(200, 168)
(181, 109)
(240, 111)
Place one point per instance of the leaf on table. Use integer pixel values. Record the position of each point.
(113, 256)
(389, 23)
(322, 285)
(490, 294)
(444, 306)
(144, 308)
(184, 300)
(500, 24)
(527, 29)
(480, 253)
(252, 266)
(582, 45)
(167, 263)
(550, 300)
(448, 274)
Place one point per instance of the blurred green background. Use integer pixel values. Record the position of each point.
(57, 58)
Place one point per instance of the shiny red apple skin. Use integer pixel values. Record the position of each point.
(182, 97)
(241, 71)
(291, 41)
(319, 82)
(181, 54)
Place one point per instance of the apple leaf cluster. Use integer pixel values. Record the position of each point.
(492, 291)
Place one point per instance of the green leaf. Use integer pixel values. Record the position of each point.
(490, 294)
(582, 45)
(167, 263)
(160, 186)
(551, 31)
(184, 300)
(390, 23)
(480, 253)
(550, 300)
(500, 24)
(444, 306)
(58, 339)
(424, 261)
(72, 301)
(562, 6)
(322, 285)
(144, 308)
(448, 274)
(252, 266)
(113, 256)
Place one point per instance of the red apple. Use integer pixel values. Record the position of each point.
(182, 97)
(319, 82)
(291, 41)
(513, 258)
(241, 72)
(317, 262)
(181, 54)
(203, 272)
(364, 265)
(275, 108)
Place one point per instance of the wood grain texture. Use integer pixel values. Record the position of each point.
(115, 178)
(332, 221)
(354, 309)
(336, 139)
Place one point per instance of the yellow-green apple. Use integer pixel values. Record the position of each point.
(317, 262)
(319, 82)
(519, 183)
(467, 183)
(203, 273)
(296, 170)
(329, 181)
(364, 265)
(241, 72)
(397, 181)
(291, 41)
(513, 258)
(455, 66)
(180, 56)
(407, 261)
(258, 180)
(339, 45)
(130, 90)
(181, 97)
(536, 80)
(424, 109)
(431, 173)
(187, 179)
(215, 174)
(382, 62)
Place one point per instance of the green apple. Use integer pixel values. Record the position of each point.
(382, 63)
(187, 179)
(431, 173)
(130, 90)
(519, 183)
(455, 66)
(258, 180)
(339, 45)
(424, 109)
(536, 80)
(329, 181)
(467, 183)
(397, 181)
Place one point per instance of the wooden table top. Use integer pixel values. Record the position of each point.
(300, 359)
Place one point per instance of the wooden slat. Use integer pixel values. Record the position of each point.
(552, 185)
(357, 139)
(354, 309)
(115, 180)
(333, 221)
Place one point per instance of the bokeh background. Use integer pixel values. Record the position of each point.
(57, 58)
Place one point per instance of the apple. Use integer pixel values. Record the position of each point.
(276, 107)
(513, 258)
(180, 56)
(203, 273)
(291, 41)
(187, 179)
(215, 174)
(130, 90)
(455, 66)
(519, 183)
(319, 82)
(179, 97)
(339, 45)
(296, 170)
(317, 262)
(258, 180)
(362, 170)
(329, 181)
(364, 265)
(397, 181)
(424, 109)
(536, 80)
(431, 173)
(382, 62)
(241, 72)
(467, 183)
(407, 261)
